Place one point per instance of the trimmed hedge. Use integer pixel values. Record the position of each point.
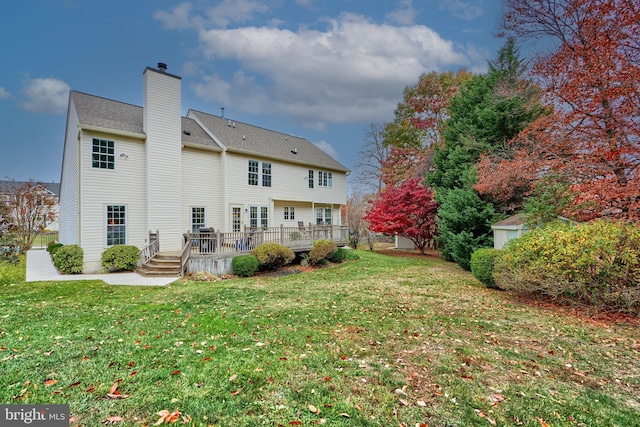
(69, 259)
(122, 257)
(245, 265)
(322, 249)
(482, 261)
(342, 255)
(595, 263)
(272, 255)
(52, 248)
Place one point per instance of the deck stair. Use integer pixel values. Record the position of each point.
(163, 264)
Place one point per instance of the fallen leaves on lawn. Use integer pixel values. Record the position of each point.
(172, 417)
(49, 383)
(115, 394)
(314, 410)
(113, 420)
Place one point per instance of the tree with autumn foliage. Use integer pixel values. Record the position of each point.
(30, 208)
(407, 210)
(418, 125)
(590, 74)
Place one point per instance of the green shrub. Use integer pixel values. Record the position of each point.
(272, 255)
(245, 265)
(596, 263)
(53, 247)
(342, 255)
(322, 250)
(122, 257)
(482, 261)
(69, 259)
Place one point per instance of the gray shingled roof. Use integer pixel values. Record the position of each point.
(106, 113)
(109, 114)
(9, 187)
(242, 137)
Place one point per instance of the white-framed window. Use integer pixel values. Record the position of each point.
(310, 178)
(103, 154)
(325, 179)
(289, 213)
(258, 216)
(236, 218)
(253, 172)
(116, 225)
(197, 218)
(266, 174)
(323, 216)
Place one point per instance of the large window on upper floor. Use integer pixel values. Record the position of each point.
(266, 174)
(103, 154)
(253, 172)
(259, 176)
(325, 179)
(310, 178)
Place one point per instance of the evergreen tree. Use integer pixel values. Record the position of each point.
(488, 112)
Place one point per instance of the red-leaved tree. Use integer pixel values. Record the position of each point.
(407, 210)
(591, 79)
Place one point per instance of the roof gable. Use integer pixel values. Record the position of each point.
(10, 187)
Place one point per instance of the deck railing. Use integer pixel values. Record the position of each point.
(219, 244)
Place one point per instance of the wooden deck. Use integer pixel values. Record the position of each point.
(215, 245)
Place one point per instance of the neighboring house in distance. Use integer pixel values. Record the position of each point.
(8, 190)
(128, 170)
(507, 229)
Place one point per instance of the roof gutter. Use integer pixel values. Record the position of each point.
(133, 135)
(282, 159)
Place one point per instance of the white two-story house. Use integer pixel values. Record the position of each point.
(128, 170)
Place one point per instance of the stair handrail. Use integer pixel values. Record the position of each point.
(151, 249)
(185, 254)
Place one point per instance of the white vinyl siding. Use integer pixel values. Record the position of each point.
(202, 187)
(69, 190)
(163, 127)
(123, 187)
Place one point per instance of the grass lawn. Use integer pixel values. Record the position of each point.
(384, 341)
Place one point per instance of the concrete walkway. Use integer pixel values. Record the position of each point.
(40, 269)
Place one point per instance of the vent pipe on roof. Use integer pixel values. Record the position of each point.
(222, 109)
(162, 67)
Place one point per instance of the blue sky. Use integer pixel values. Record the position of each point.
(319, 69)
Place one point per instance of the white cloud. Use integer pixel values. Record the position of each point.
(178, 18)
(3, 93)
(353, 70)
(46, 95)
(219, 16)
(467, 10)
(327, 148)
(405, 15)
